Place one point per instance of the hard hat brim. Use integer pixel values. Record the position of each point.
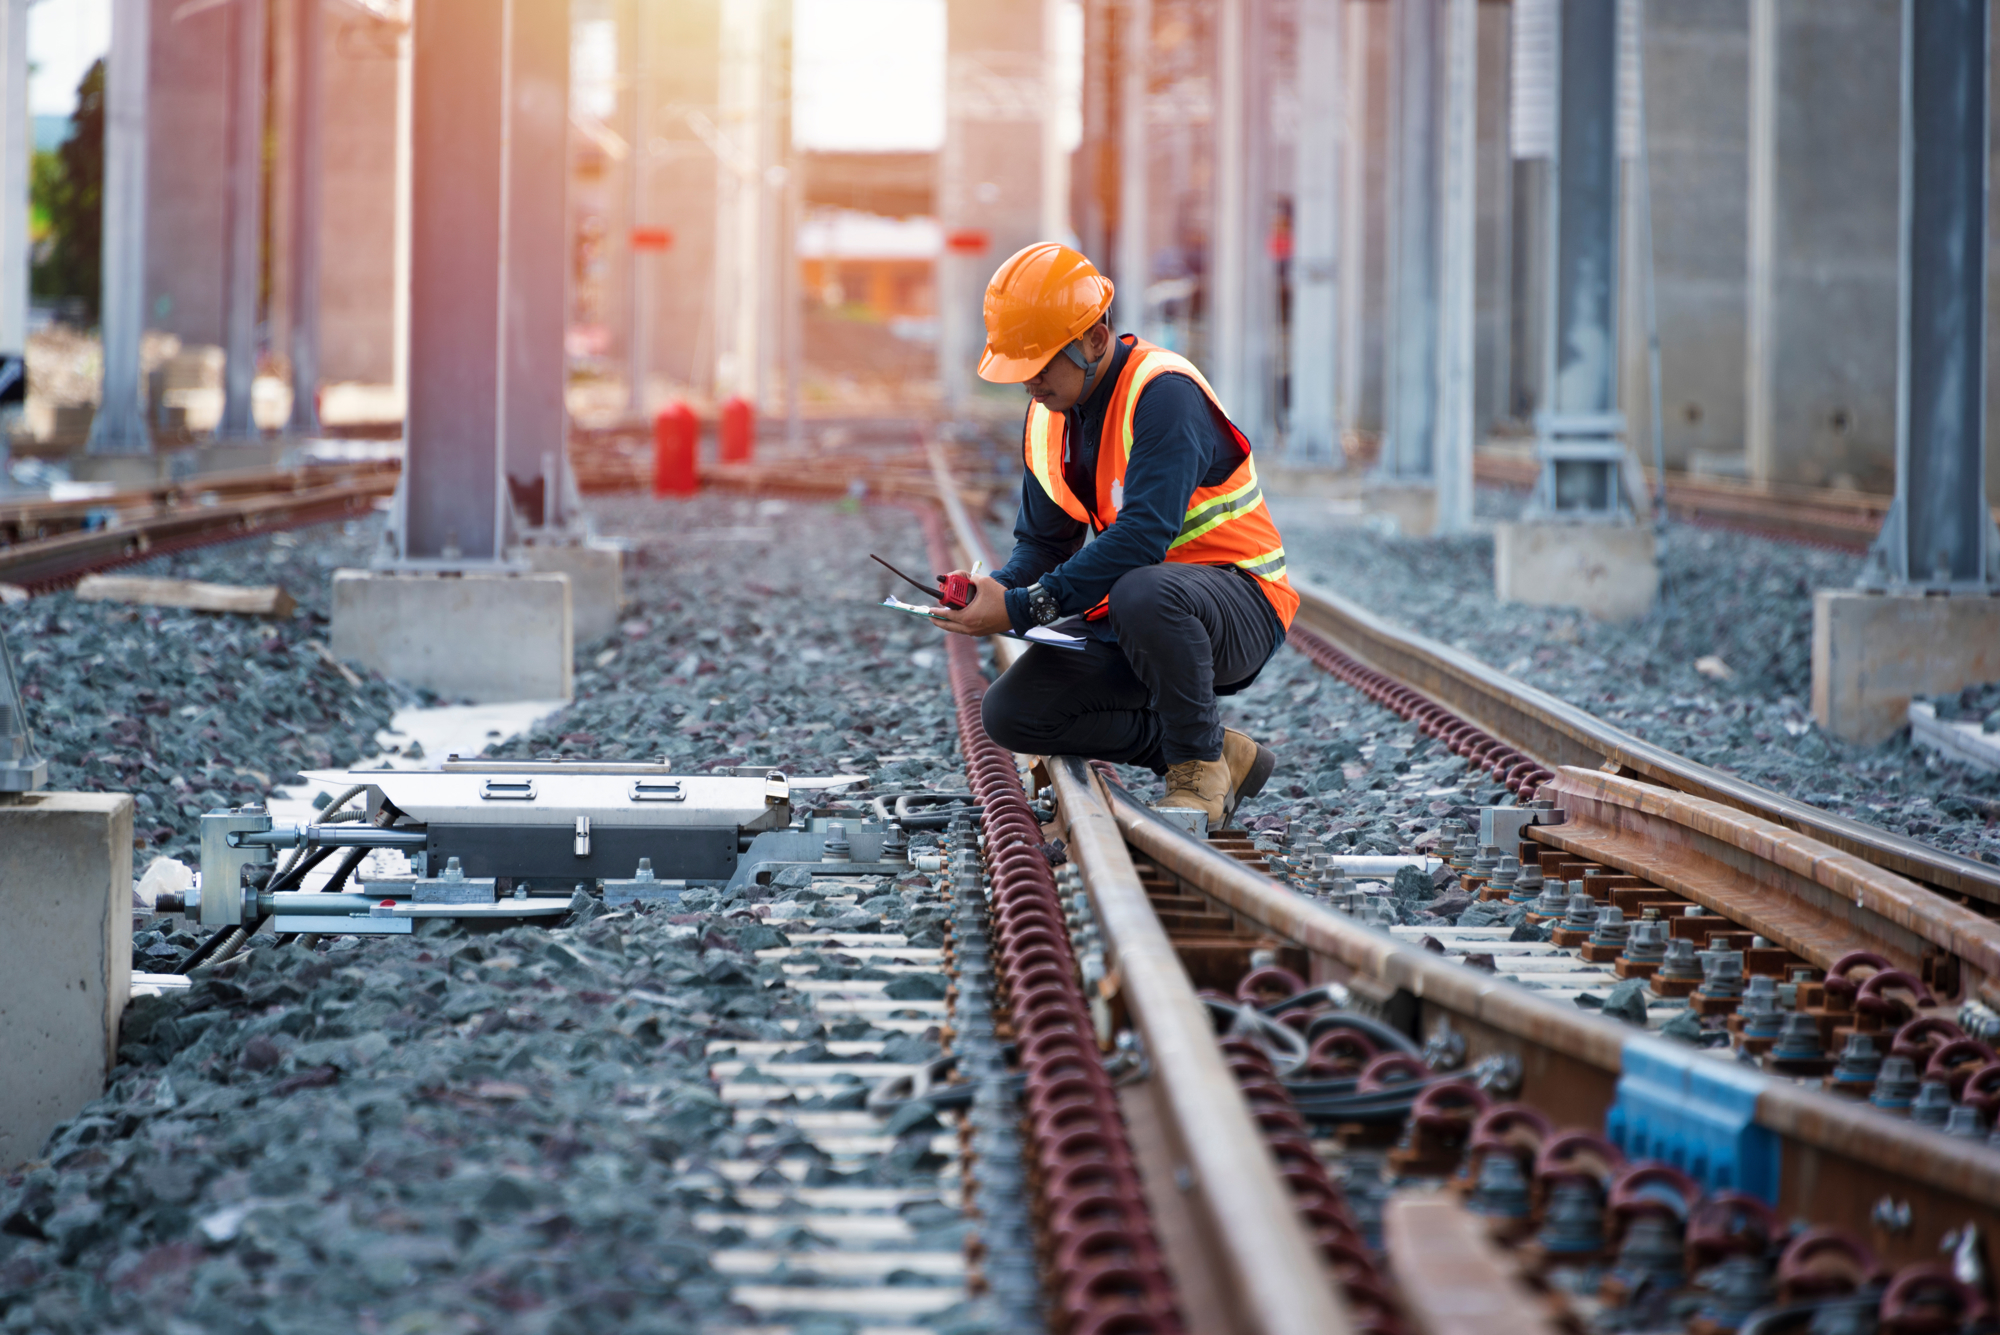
(999, 369)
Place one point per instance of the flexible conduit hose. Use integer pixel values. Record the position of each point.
(1105, 1271)
(1521, 774)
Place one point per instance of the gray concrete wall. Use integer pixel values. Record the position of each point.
(1820, 392)
(1697, 109)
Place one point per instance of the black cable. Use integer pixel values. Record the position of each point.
(197, 957)
(345, 869)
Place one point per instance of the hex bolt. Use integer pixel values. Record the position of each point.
(1680, 960)
(1895, 1085)
(1798, 1039)
(836, 848)
(1859, 1063)
(1963, 1123)
(1932, 1105)
(1502, 1192)
(1611, 929)
(1647, 942)
(1506, 872)
(1581, 911)
(1527, 885)
(1722, 973)
(895, 843)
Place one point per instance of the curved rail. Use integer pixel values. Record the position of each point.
(1557, 734)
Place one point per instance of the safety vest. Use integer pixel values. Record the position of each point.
(1227, 524)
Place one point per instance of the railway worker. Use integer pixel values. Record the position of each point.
(1182, 592)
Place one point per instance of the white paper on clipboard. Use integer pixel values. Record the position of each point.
(1055, 639)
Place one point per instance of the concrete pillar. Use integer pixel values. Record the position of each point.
(308, 166)
(1578, 428)
(66, 889)
(1133, 270)
(243, 263)
(1313, 433)
(120, 425)
(748, 164)
(1458, 220)
(1364, 234)
(990, 172)
(1409, 440)
(1239, 289)
(1697, 109)
(1819, 385)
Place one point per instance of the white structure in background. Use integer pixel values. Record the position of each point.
(755, 298)
(120, 425)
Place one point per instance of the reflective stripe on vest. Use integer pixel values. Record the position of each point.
(1227, 524)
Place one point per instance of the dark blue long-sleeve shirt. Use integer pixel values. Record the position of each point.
(1178, 445)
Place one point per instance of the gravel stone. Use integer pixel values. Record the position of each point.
(505, 1128)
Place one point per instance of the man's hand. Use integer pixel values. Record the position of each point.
(986, 614)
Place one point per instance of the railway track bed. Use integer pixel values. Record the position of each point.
(1075, 1069)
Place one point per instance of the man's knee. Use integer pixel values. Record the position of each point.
(1005, 718)
(1140, 592)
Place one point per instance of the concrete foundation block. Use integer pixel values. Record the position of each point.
(121, 470)
(472, 636)
(1606, 570)
(1871, 652)
(65, 958)
(1413, 507)
(596, 573)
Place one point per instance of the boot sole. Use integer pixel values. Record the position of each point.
(1253, 782)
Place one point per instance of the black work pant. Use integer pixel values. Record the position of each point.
(1149, 699)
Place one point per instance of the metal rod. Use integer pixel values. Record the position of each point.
(328, 836)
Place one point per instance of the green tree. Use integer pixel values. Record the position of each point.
(68, 191)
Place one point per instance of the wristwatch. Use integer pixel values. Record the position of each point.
(1042, 605)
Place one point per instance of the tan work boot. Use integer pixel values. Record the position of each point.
(1202, 785)
(1250, 764)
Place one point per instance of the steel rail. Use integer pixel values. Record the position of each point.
(1267, 1266)
(36, 515)
(1838, 1157)
(52, 563)
(1557, 733)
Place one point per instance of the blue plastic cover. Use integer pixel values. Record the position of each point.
(1698, 1114)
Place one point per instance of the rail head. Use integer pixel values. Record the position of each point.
(1265, 1258)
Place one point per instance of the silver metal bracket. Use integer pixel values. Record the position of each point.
(21, 769)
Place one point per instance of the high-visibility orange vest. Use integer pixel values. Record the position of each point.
(1227, 524)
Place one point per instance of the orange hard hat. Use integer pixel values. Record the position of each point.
(1038, 302)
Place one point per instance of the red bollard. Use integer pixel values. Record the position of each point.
(674, 434)
(739, 431)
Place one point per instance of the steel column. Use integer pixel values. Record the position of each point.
(1312, 428)
(1939, 535)
(537, 268)
(1579, 429)
(120, 424)
(481, 189)
(308, 113)
(243, 235)
(1408, 445)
